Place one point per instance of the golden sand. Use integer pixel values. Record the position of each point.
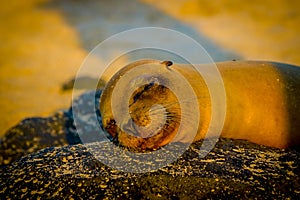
(40, 49)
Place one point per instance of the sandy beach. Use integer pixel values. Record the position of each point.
(45, 42)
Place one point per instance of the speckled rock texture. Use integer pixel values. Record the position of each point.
(234, 169)
(33, 134)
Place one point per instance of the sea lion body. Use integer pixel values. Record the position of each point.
(262, 104)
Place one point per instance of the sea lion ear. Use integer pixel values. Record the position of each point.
(167, 63)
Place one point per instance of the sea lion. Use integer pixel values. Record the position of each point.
(262, 104)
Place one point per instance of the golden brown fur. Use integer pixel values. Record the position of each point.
(262, 105)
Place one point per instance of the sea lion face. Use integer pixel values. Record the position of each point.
(154, 115)
(154, 119)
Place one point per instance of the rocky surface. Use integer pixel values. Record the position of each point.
(234, 169)
(33, 134)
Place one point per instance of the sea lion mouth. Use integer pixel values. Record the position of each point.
(132, 137)
(133, 128)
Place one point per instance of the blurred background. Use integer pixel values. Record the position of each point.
(44, 42)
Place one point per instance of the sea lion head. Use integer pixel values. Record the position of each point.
(146, 113)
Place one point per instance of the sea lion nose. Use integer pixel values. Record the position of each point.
(111, 127)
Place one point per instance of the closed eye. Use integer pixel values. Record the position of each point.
(138, 95)
(148, 86)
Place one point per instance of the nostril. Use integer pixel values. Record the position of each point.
(112, 122)
(111, 127)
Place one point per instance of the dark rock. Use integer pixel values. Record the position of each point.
(234, 169)
(71, 171)
(33, 134)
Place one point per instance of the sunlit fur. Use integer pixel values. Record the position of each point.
(262, 106)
